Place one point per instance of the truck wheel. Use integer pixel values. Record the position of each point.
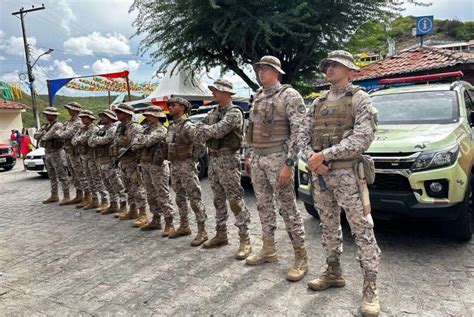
(461, 228)
(311, 210)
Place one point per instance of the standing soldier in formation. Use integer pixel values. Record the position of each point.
(128, 162)
(95, 186)
(184, 178)
(71, 127)
(49, 139)
(338, 128)
(272, 134)
(223, 130)
(102, 142)
(156, 171)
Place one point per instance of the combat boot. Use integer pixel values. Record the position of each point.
(154, 224)
(245, 247)
(131, 214)
(332, 276)
(66, 198)
(104, 204)
(201, 236)
(112, 208)
(85, 201)
(122, 211)
(54, 198)
(93, 204)
(219, 240)
(142, 218)
(266, 254)
(300, 267)
(169, 227)
(77, 199)
(370, 306)
(183, 229)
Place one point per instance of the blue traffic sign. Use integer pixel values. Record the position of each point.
(424, 25)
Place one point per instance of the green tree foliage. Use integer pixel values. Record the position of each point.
(199, 34)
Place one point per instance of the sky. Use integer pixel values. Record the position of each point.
(95, 36)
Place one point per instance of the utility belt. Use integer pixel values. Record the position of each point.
(101, 151)
(343, 164)
(270, 150)
(222, 152)
(54, 144)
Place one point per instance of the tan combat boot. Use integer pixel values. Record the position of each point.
(131, 214)
(300, 267)
(104, 204)
(93, 204)
(183, 229)
(142, 218)
(169, 227)
(245, 247)
(266, 254)
(66, 198)
(77, 199)
(332, 276)
(154, 224)
(85, 201)
(370, 306)
(113, 208)
(54, 198)
(219, 240)
(201, 236)
(122, 211)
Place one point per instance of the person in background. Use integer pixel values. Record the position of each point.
(26, 144)
(18, 143)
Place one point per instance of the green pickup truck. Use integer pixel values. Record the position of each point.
(423, 153)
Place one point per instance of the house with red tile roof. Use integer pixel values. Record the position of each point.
(10, 118)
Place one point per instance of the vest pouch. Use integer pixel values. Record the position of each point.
(266, 130)
(158, 155)
(172, 151)
(199, 150)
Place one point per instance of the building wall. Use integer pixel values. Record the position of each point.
(9, 120)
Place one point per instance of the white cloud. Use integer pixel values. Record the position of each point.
(63, 69)
(11, 77)
(113, 44)
(64, 9)
(2, 58)
(14, 46)
(86, 66)
(103, 65)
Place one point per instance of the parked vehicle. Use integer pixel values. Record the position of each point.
(7, 157)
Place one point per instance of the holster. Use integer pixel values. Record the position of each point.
(363, 188)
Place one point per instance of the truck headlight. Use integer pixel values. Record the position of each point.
(435, 159)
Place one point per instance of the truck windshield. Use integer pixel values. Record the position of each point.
(426, 107)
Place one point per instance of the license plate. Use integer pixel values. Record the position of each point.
(31, 164)
(3, 160)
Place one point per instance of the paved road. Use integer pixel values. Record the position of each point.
(55, 263)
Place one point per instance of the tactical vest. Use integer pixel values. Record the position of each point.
(68, 147)
(332, 120)
(53, 144)
(83, 147)
(124, 141)
(269, 126)
(178, 148)
(232, 141)
(152, 154)
(102, 152)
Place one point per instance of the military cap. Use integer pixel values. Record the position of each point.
(108, 113)
(222, 84)
(125, 109)
(270, 61)
(51, 110)
(87, 113)
(73, 106)
(155, 111)
(343, 57)
(181, 101)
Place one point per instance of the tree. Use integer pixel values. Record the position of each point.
(198, 34)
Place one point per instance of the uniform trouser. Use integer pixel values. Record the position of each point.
(76, 170)
(185, 182)
(343, 191)
(56, 170)
(133, 181)
(95, 184)
(156, 179)
(224, 176)
(264, 173)
(113, 182)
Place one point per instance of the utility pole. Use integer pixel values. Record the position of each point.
(31, 78)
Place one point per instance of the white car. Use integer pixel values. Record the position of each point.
(34, 162)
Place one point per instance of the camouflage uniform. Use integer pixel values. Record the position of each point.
(48, 138)
(342, 186)
(102, 141)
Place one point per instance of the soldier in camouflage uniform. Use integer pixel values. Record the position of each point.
(95, 185)
(272, 134)
(101, 142)
(48, 138)
(184, 178)
(128, 162)
(337, 129)
(223, 129)
(156, 171)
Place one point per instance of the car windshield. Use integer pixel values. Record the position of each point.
(417, 107)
